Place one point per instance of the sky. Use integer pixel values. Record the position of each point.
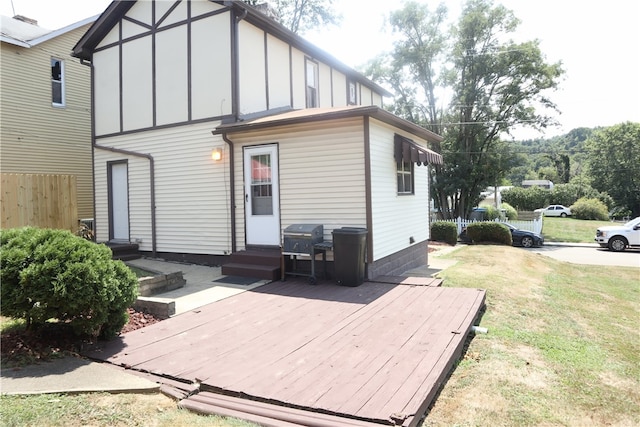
(598, 43)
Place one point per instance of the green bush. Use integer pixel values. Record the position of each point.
(510, 211)
(526, 199)
(590, 209)
(489, 232)
(491, 213)
(443, 231)
(52, 274)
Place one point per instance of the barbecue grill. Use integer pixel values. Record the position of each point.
(302, 240)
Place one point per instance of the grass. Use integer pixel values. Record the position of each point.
(570, 230)
(562, 350)
(103, 409)
(562, 347)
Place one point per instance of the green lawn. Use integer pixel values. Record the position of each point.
(570, 230)
(562, 347)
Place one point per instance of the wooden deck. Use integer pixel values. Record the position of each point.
(376, 353)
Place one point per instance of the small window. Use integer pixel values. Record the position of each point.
(352, 95)
(312, 84)
(57, 82)
(405, 177)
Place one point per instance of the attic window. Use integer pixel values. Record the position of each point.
(57, 82)
(352, 94)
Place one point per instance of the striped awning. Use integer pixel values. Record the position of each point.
(408, 151)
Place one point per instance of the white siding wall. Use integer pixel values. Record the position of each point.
(396, 218)
(299, 89)
(321, 174)
(324, 81)
(192, 209)
(339, 89)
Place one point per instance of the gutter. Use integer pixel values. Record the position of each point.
(152, 187)
(232, 196)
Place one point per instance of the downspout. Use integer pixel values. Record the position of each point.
(93, 141)
(152, 185)
(232, 196)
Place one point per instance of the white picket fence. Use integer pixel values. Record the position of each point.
(534, 225)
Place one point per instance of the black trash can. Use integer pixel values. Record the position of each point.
(349, 249)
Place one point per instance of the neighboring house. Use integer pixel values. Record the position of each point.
(46, 105)
(542, 183)
(215, 128)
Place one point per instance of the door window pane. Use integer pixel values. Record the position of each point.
(261, 185)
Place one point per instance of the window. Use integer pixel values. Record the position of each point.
(312, 84)
(57, 82)
(405, 177)
(352, 95)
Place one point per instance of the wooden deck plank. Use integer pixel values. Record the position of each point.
(366, 352)
(404, 280)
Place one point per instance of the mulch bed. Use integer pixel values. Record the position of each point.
(19, 348)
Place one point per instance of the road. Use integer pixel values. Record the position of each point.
(591, 255)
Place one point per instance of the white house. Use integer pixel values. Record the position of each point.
(215, 128)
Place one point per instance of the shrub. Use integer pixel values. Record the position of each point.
(52, 274)
(490, 232)
(510, 211)
(590, 209)
(491, 213)
(443, 231)
(526, 199)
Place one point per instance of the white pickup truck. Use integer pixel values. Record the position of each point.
(620, 237)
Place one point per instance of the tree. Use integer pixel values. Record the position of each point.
(614, 164)
(496, 85)
(301, 15)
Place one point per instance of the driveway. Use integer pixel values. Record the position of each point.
(591, 255)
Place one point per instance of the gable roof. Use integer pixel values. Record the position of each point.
(27, 35)
(319, 114)
(117, 9)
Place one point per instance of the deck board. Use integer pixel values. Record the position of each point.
(366, 352)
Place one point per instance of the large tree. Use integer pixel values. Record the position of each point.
(301, 15)
(496, 85)
(614, 164)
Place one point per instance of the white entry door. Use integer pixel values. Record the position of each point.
(118, 202)
(261, 195)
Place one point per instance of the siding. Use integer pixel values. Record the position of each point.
(321, 173)
(396, 218)
(192, 209)
(37, 138)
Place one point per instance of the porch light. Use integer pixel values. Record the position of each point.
(216, 154)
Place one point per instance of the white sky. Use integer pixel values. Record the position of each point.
(598, 43)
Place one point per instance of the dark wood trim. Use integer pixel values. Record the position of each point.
(154, 95)
(331, 84)
(167, 126)
(121, 76)
(266, 68)
(171, 9)
(367, 184)
(142, 24)
(189, 67)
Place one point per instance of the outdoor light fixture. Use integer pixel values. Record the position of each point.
(216, 154)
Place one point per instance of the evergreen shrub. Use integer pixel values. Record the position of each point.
(489, 232)
(510, 211)
(443, 231)
(52, 274)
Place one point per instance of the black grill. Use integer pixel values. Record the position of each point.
(300, 238)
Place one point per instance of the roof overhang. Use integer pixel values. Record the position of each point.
(309, 115)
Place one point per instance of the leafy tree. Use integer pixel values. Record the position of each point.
(495, 85)
(614, 164)
(301, 15)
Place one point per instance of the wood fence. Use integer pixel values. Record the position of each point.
(47, 201)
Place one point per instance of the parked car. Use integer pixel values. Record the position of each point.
(557, 210)
(619, 237)
(524, 238)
